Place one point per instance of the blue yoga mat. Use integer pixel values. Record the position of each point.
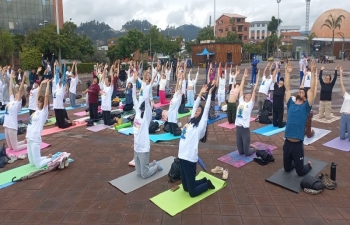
(221, 116)
(217, 108)
(163, 137)
(155, 97)
(269, 130)
(127, 131)
(2, 136)
(188, 106)
(201, 163)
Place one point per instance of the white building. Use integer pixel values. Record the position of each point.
(102, 48)
(258, 30)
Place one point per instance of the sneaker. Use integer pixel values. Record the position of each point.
(225, 174)
(218, 170)
(311, 191)
(22, 156)
(66, 163)
(132, 163)
(327, 182)
(12, 159)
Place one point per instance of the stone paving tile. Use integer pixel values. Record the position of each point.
(81, 193)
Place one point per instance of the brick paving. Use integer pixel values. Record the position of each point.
(81, 193)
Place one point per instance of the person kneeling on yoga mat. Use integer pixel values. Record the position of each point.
(35, 127)
(244, 111)
(93, 92)
(345, 110)
(174, 108)
(192, 132)
(129, 105)
(106, 98)
(297, 113)
(232, 98)
(142, 120)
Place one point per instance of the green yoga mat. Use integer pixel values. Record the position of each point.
(6, 177)
(50, 121)
(185, 114)
(175, 202)
(124, 125)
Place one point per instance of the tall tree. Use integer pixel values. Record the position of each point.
(207, 33)
(154, 39)
(6, 45)
(333, 23)
(273, 25)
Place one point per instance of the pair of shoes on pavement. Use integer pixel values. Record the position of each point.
(220, 170)
(327, 182)
(63, 164)
(13, 158)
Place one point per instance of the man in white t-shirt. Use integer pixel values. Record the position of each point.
(264, 87)
(73, 85)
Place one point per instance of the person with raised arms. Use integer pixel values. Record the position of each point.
(233, 97)
(191, 86)
(345, 110)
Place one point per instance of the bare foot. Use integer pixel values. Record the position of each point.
(73, 123)
(253, 146)
(309, 162)
(49, 156)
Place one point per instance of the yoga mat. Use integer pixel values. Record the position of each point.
(179, 116)
(160, 105)
(6, 177)
(179, 200)
(221, 116)
(24, 151)
(131, 182)
(124, 125)
(76, 107)
(155, 97)
(217, 108)
(2, 136)
(82, 113)
(188, 105)
(324, 120)
(126, 131)
(82, 119)
(236, 160)
(163, 137)
(201, 163)
(97, 128)
(232, 125)
(337, 143)
(50, 122)
(56, 129)
(291, 180)
(319, 133)
(269, 130)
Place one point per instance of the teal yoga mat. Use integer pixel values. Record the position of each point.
(269, 130)
(221, 116)
(127, 131)
(2, 136)
(163, 137)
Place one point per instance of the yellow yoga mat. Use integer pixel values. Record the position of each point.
(175, 202)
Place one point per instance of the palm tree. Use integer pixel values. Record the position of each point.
(309, 39)
(333, 24)
(342, 48)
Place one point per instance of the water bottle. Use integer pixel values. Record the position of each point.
(333, 171)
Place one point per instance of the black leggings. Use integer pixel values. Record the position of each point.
(231, 112)
(93, 108)
(172, 127)
(128, 107)
(107, 118)
(277, 119)
(61, 118)
(293, 157)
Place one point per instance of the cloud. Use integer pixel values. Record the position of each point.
(197, 12)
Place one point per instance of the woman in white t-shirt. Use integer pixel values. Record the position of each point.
(35, 127)
(191, 86)
(244, 111)
(168, 72)
(345, 110)
(221, 86)
(73, 85)
(11, 116)
(162, 92)
(106, 99)
(192, 132)
(174, 108)
(33, 96)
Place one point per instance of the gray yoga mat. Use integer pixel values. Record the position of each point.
(291, 181)
(130, 182)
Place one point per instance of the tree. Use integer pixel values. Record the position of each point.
(30, 57)
(309, 39)
(207, 33)
(6, 45)
(188, 46)
(171, 46)
(98, 56)
(273, 25)
(154, 39)
(333, 24)
(18, 41)
(230, 38)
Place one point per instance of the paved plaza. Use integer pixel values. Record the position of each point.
(81, 193)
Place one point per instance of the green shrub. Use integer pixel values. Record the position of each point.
(84, 67)
(30, 57)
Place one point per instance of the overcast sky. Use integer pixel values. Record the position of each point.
(197, 12)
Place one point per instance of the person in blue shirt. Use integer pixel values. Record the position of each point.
(297, 113)
(254, 70)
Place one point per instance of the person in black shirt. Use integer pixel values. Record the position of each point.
(326, 94)
(174, 67)
(278, 103)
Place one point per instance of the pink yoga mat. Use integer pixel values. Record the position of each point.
(237, 160)
(24, 151)
(160, 105)
(337, 143)
(83, 113)
(232, 125)
(56, 129)
(97, 128)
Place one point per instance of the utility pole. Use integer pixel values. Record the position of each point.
(214, 18)
(58, 32)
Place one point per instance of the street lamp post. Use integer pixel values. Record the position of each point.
(214, 18)
(278, 24)
(58, 32)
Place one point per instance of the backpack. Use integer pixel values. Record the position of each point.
(166, 127)
(263, 157)
(22, 128)
(174, 172)
(153, 126)
(264, 117)
(3, 156)
(268, 106)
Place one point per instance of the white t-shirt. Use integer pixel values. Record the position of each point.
(265, 85)
(58, 97)
(345, 108)
(222, 84)
(162, 84)
(183, 86)
(174, 107)
(231, 79)
(307, 81)
(32, 98)
(73, 84)
(36, 124)
(244, 111)
(68, 74)
(301, 63)
(11, 113)
(167, 72)
(106, 98)
(272, 85)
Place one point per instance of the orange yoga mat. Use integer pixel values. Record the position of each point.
(56, 129)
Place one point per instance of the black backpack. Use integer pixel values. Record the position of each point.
(22, 128)
(158, 115)
(264, 117)
(153, 126)
(174, 172)
(263, 157)
(3, 156)
(268, 106)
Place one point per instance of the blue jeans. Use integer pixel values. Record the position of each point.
(190, 97)
(72, 99)
(253, 80)
(301, 76)
(188, 178)
(344, 126)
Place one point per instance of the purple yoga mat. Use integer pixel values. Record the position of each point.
(337, 143)
(237, 160)
(97, 128)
